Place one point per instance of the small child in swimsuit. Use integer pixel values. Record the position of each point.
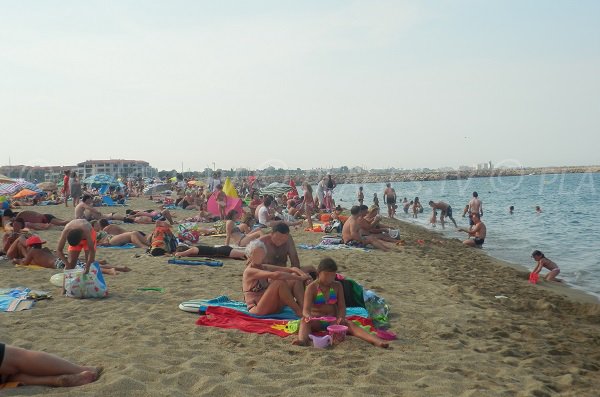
(221, 199)
(542, 262)
(324, 297)
(433, 219)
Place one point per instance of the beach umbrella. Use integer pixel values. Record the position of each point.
(230, 204)
(47, 186)
(5, 179)
(15, 187)
(158, 188)
(100, 179)
(229, 189)
(275, 189)
(25, 193)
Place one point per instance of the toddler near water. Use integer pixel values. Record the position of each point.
(542, 262)
(324, 297)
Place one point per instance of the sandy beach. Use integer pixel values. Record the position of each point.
(455, 338)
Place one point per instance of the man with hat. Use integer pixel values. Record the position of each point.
(36, 255)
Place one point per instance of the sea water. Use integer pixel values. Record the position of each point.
(567, 230)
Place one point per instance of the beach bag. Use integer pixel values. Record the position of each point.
(162, 241)
(188, 233)
(82, 286)
(378, 310)
(334, 226)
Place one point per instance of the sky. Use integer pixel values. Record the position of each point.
(289, 84)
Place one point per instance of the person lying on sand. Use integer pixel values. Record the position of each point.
(13, 241)
(106, 239)
(234, 233)
(324, 297)
(268, 288)
(36, 221)
(30, 367)
(543, 262)
(41, 256)
(148, 216)
(223, 251)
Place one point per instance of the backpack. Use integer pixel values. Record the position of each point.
(162, 241)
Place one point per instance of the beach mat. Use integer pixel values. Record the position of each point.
(223, 317)
(211, 263)
(118, 247)
(201, 305)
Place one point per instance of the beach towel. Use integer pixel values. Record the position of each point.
(222, 317)
(108, 202)
(327, 247)
(201, 305)
(119, 247)
(15, 299)
(195, 262)
(36, 267)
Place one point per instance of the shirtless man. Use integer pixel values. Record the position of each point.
(478, 232)
(280, 246)
(13, 241)
(148, 216)
(85, 210)
(389, 198)
(475, 207)
(352, 237)
(80, 236)
(35, 220)
(445, 211)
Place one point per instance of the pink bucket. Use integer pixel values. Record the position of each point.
(337, 332)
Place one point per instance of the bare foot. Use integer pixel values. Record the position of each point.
(298, 342)
(82, 378)
(382, 344)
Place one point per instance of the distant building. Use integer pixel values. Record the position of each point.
(116, 168)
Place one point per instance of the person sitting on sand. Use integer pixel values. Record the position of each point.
(235, 234)
(105, 239)
(543, 262)
(445, 211)
(265, 219)
(323, 298)
(352, 237)
(280, 246)
(13, 241)
(478, 232)
(223, 251)
(268, 288)
(41, 256)
(36, 368)
(85, 210)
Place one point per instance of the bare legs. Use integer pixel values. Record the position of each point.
(40, 368)
(277, 295)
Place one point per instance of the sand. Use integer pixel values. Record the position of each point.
(454, 337)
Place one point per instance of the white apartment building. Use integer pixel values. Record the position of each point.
(117, 168)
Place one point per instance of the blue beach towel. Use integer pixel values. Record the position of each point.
(200, 305)
(119, 247)
(188, 262)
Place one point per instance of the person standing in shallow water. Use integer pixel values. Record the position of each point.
(389, 199)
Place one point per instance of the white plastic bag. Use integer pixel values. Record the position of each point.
(91, 285)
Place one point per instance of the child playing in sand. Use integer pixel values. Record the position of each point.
(324, 297)
(542, 262)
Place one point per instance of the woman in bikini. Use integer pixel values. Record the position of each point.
(235, 235)
(268, 288)
(323, 298)
(110, 240)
